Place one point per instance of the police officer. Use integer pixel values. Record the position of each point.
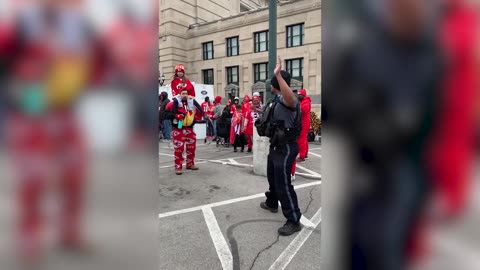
(283, 151)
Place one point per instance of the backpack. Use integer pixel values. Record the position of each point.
(263, 124)
(264, 128)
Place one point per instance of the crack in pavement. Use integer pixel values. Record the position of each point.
(261, 251)
(233, 241)
(311, 200)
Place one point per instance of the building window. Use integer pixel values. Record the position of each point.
(232, 46)
(260, 72)
(207, 50)
(295, 67)
(295, 35)
(208, 76)
(232, 75)
(261, 41)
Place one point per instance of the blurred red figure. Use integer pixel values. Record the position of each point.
(453, 151)
(44, 140)
(181, 82)
(306, 107)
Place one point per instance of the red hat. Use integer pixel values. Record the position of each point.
(218, 99)
(179, 67)
(302, 92)
(246, 98)
(256, 98)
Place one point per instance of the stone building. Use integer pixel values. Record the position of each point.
(225, 43)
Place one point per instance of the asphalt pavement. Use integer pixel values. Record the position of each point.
(210, 219)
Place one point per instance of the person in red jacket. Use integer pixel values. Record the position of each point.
(233, 106)
(237, 130)
(246, 105)
(305, 106)
(452, 152)
(185, 116)
(180, 82)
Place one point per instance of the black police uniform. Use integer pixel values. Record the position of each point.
(283, 151)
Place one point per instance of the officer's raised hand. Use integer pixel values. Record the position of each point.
(289, 97)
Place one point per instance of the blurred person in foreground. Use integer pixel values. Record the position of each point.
(44, 140)
(131, 46)
(453, 150)
(381, 95)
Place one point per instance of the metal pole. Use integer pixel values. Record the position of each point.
(272, 45)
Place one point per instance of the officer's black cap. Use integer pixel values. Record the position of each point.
(285, 75)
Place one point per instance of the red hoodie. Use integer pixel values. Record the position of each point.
(306, 107)
(176, 87)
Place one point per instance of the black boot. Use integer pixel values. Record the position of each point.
(235, 150)
(249, 150)
(264, 205)
(290, 228)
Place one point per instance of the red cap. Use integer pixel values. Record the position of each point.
(246, 98)
(179, 67)
(302, 92)
(218, 99)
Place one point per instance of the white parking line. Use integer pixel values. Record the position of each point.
(307, 170)
(171, 166)
(307, 222)
(223, 251)
(456, 250)
(241, 199)
(318, 148)
(313, 154)
(231, 160)
(287, 255)
(309, 176)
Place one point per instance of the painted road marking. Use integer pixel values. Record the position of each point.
(241, 199)
(287, 255)
(457, 250)
(171, 166)
(223, 250)
(313, 154)
(307, 170)
(307, 222)
(309, 176)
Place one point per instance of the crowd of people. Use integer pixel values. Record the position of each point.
(230, 124)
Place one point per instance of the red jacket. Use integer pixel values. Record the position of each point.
(246, 107)
(237, 119)
(249, 121)
(208, 108)
(306, 107)
(176, 87)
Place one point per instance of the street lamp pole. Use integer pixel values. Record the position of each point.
(162, 80)
(272, 45)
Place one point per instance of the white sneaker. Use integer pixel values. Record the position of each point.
(293, 177)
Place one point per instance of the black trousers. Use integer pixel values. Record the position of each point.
(239, 141)
(279, 169)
